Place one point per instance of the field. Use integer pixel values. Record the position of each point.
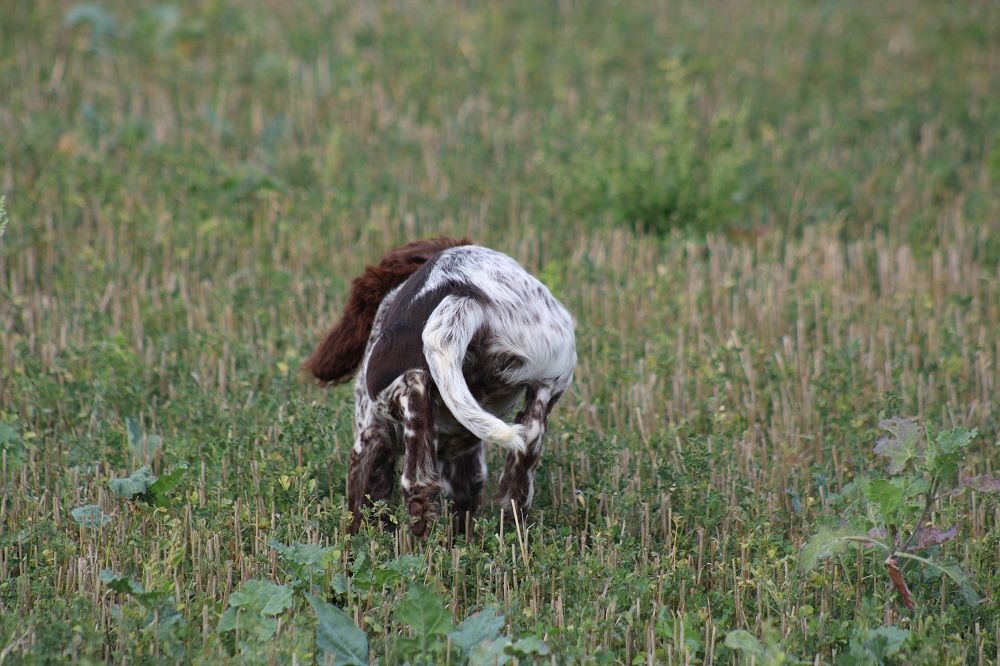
(776, 224)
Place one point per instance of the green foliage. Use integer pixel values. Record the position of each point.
(505, 651)
(481, 626)
(422, 611)
(157, 615)
(91, 516)
(684, 631)
(102, 25)
(874, 647)
(370, 576)
(905, 442)
(11, 446)
(143, 484)
(829, 542)
(307, 562)
(682, 170)
(134, 485)
(946, 452)
(766, 652)
(902, 505)
(252, 614)
(337, 636)
(887, 497)
(753, 288)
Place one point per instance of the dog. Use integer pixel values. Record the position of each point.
(447, 339)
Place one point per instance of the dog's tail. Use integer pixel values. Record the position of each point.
(446, 337)
(338, 356)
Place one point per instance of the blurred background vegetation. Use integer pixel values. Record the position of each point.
(775, 223)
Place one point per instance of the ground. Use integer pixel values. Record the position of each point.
(776, 224)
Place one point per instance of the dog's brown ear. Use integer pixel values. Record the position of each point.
(337, 358)
(419, 252)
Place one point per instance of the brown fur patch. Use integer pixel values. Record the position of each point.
(338, 356)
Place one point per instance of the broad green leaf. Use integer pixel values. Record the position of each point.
(405, 565)
(258, 627)
(253, 608)
(263, 597)
(904, 442)
(132, 486)
(165, 483)
(746, 643)
(885, 642)
(491, 653)
(946, 451)
(90, 515)
(423, 611)
(955, 439)
(828, 542)
(337, 635)
(529, 645)
(478, 627)
(121, 584)
(886, 496)
(304, 554)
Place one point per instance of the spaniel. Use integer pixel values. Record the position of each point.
(447, 338)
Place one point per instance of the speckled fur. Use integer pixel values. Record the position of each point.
(452, 351)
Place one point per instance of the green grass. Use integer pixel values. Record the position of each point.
(775, 224)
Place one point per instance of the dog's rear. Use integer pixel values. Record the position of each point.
(338, 356)
(458, 317)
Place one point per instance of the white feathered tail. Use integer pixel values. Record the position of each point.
(446, 337)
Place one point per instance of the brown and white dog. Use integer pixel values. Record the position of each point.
(449, 338)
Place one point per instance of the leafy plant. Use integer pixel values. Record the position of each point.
(423, 612)
(874, 647)
(682, 630)
(682, 170)
(337, 636)
(923, 471)
(307, 562)
(159, 614)
(479, 627)
(143, 484)
(766, 652)
(368, 576)
(253, 611)
(11, 444)
(90, 515)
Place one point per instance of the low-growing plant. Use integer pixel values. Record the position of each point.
(683, 170)
(766, 651)
(157, 614)
(142, 484)
(91, 516)
(252, 615)
(308, 563)
(923, 470)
